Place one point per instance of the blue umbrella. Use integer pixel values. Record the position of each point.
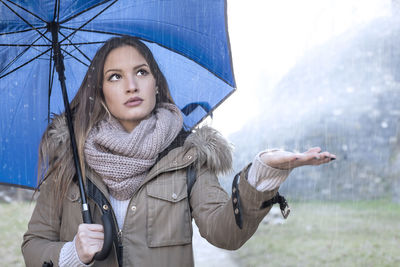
(188, 38)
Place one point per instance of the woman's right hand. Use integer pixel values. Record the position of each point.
(88, 241)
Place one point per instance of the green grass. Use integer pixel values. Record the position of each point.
(13, 224)
(315, 234)
(329, 234)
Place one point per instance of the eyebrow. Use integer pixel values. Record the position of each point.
(135, 68)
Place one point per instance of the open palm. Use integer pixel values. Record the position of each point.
(288, 160)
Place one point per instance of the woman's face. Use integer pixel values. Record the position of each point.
(129, 87)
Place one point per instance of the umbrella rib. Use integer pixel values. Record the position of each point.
(27, 30)
(20, 66)
(22, 45)
(77, 59)
(83, 11)
(24, 20)
(26, 10)
(76, 47)
(55, 9)
(51, 78)
(18, 56)
(95, 31)
(87, 22)
(84, 43)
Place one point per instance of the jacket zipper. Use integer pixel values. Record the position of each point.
(120, 237)
(120, 247)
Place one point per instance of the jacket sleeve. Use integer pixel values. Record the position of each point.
(213, 211)
(41, 243)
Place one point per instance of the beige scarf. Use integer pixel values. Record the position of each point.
(123, 159)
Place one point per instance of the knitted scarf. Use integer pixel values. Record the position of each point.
(123, 159)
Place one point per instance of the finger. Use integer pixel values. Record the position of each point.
(87, 252)
(325, 155)
(86, 236)
(314, 150)
(95, 227)
(96, 235)
(306, 157)
(94, 248)
(90, 228)
(322, 161)
(328, 155)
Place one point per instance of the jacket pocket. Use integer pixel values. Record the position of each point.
(168, 216)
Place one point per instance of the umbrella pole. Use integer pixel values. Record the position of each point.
(59, 63)
(107, 223)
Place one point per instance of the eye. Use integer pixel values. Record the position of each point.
(142, 72)
(114, 77)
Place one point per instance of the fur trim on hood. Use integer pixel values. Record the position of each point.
(213, 150)
(55, 141)
(58, 130)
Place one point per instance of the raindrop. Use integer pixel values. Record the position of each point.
(349, 89)
(326, 191)
(375, 113)
(337, 112)
(375, 89)
(347, 186)
(388, 78)
(384, 124)
(395, 112)
(344, 147)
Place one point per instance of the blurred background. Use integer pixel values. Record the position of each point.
(319, 73)
(309, 73)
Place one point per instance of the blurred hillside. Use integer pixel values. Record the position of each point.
(344, 97)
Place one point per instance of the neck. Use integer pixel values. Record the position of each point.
(129, 126)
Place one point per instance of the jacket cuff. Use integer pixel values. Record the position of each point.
(252, 199)
(264, 177)
(247, 200)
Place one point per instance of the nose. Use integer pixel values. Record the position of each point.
(132, 85)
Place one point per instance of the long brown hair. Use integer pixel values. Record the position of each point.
(88, 108)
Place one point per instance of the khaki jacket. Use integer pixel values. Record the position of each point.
(158, 226)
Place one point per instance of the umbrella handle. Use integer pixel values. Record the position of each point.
(108, 240)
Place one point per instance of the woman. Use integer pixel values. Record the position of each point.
(135, 153)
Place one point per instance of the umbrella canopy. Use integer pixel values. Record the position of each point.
(189, 40)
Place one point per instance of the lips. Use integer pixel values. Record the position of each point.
(133, 102)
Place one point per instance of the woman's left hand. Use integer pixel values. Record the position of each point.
(285, 160)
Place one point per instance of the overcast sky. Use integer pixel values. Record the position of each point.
(267, 37)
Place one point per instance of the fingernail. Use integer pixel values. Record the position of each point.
(316, 158)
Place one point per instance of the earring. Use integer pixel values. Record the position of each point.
(156, 90)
